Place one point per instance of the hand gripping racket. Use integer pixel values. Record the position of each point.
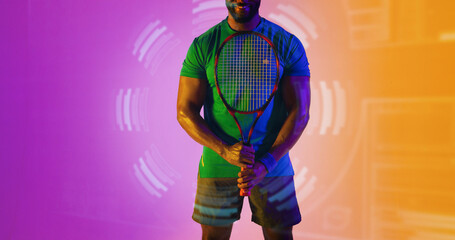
(247, 72)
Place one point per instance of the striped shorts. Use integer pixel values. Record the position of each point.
(273, 202)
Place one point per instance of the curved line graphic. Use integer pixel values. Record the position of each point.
(344, 169)
(162, 53)
(307, 189)
(144, 34)
(143, 109)
(156, 47)
(315, 112)
(155, 168)
(148, 187)
(152, 178)
(126, 109)
(150, 41)
(135, 109)
(211, 16)
(292, 26)
(300, 17)
(303, 189)
(327, 110)
(118, 109)
(300, 178)
(209, 5)
(340, 103)
(162, 163)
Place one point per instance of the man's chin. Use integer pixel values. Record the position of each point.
(242, 19)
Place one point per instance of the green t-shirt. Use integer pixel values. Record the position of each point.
(200, 63)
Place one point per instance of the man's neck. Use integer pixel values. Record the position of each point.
(248, 26)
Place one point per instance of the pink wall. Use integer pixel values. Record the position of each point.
(90, 147)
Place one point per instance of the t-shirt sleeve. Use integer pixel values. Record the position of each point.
(297, 62)
(193, 65)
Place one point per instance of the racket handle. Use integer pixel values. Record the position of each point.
(242, 191)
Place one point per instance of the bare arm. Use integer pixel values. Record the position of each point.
(296, 96)
(191, 96)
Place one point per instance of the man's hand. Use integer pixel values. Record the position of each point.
(250, 177)
(239, 155)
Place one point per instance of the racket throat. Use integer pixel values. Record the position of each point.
(238, 125)
(252, 127)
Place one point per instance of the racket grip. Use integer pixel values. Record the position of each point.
(242, 191)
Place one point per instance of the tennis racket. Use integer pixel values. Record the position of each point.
(247, 73)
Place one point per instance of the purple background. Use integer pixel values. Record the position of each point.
(89, 144)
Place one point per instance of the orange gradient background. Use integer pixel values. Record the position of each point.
(380, 146)
(91, 149)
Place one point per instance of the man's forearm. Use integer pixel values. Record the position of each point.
(199, 130)
(297, 98)
(289, 134)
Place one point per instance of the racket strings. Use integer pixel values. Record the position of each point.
(246, 72)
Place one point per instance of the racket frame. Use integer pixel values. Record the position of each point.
(260, 110)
